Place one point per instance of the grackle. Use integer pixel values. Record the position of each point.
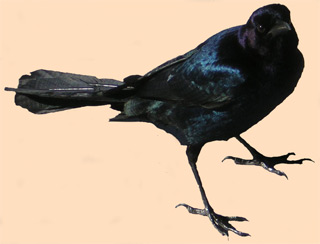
(214, 92)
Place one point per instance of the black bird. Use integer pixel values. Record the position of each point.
(214, 92)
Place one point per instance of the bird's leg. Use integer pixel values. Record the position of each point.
(267, 163)
(219, 221)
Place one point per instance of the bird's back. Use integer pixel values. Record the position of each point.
(204, 94)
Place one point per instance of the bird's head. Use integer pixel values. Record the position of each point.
(268, 30)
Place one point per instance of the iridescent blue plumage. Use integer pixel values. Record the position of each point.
(214, 92)
(212, 88)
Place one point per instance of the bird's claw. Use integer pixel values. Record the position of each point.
(192, 210)
(268, 163)
(221, 223)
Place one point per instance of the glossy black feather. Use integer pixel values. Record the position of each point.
(225, 85)
(214, 92)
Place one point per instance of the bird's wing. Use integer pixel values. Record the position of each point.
(195, 81)
(154, 85)
(203, 76)
(210, 85)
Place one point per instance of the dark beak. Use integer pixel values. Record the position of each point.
(279, 28)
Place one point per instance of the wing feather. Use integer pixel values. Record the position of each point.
(200, 77)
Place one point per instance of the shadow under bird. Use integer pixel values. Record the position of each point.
(214, 92)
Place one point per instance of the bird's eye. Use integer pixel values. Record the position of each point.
(261, 28)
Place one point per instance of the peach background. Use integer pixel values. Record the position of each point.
(72, 177)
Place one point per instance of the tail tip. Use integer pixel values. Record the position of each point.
(9, 89)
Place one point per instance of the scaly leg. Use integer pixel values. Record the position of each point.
(219, 221)
(267, 163)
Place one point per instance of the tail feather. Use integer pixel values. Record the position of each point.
(47, 91)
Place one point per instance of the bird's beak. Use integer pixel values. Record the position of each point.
(279, 28)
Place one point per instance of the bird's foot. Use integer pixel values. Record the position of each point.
(268, 163)
(220, 222)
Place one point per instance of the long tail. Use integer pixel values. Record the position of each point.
(47, 91)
